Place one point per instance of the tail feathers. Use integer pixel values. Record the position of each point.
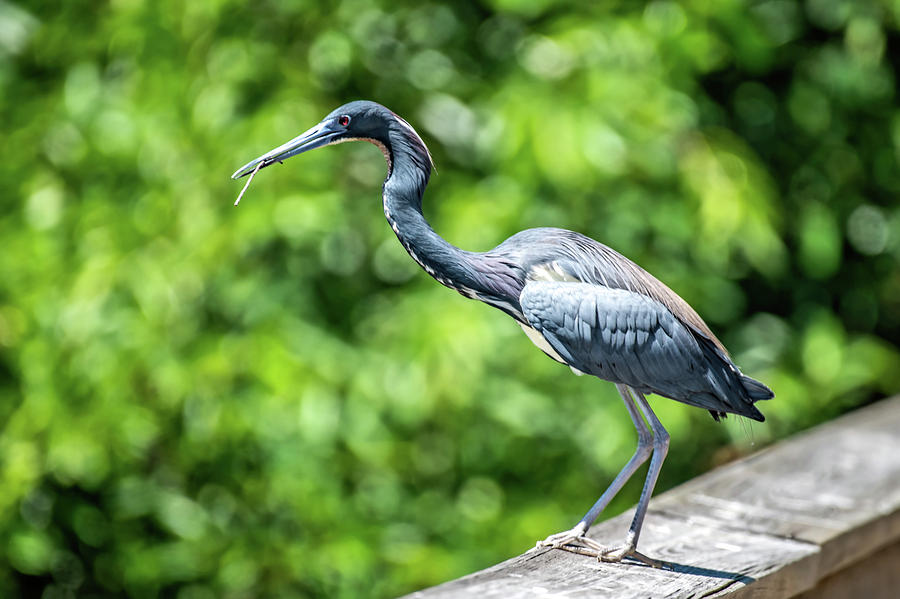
(756, 390)
(735, 393)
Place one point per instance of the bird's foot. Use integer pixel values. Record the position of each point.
(574, 540)
(616, 555)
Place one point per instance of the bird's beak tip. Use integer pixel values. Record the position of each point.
(246, 169)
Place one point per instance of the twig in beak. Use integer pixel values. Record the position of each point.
(247, 184)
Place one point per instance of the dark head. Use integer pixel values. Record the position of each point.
(359, 120)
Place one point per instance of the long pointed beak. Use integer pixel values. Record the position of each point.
(320, 135)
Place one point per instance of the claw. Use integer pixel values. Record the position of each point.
(574, 540)
(562, 538)
(616, 555)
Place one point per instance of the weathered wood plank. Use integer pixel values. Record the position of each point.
(872, 578)
(775, 524)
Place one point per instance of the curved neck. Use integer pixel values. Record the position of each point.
(402, 192)
(489, 277)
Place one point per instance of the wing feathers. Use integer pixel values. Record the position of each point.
(631, 338)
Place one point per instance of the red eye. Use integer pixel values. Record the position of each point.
(344, 120)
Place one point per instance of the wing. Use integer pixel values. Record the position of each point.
(550, 254)
(627, 337)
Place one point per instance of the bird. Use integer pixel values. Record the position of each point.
(582, 303)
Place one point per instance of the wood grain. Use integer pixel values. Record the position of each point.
(816, 514)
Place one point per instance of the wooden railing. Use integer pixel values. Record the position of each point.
(815, 516)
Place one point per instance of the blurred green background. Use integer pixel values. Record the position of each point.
(199, 401)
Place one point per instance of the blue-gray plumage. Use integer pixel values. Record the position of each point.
(582, 303)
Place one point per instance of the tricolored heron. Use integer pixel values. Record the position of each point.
(582, 303)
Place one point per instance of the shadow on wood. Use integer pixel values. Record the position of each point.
(817, 515)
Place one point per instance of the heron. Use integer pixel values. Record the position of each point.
(582, 303)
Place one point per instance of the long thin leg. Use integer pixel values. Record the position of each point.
(644, 448)
(641, 453)
(660, 449)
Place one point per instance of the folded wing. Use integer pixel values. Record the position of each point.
(629, 338)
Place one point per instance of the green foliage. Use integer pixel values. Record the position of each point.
(201, 401)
